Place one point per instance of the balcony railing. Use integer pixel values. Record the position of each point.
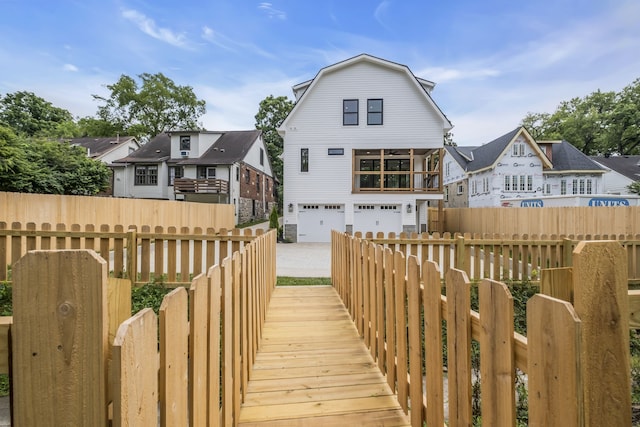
(210, 186)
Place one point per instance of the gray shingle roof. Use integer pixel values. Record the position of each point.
(628, 166)
(155, 151)
(231, 147)
(566, 157)
(99, 146)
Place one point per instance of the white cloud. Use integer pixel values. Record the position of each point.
(272, 12)
(70, 67)
(224, 42)
(149, 27)
(380, 11)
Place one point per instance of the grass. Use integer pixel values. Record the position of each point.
(303, 281)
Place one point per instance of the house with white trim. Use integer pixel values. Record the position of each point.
(362, 150)
(202, 166)
(517, 167)
(622, 171)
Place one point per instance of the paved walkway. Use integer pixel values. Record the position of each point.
(303, 259)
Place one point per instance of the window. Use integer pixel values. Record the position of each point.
(507, 183)
(529, 182)
(261, 156)
(335, 151)
(460, 189)
(447, 169)
(370, 180)
(258, 182)
(396, 180)
(574, 190)
(589, 187)
(175, 172)
(474, 187)
(446, 194)
(185, 142)
(304, 160)
(146, 175)
(582, 186)
(547, 189)
(206, 172)
(518, 150)
(374, 111)
(247, 176)
(350, 112)
(238, 173)
(563, 186)
(485, 185)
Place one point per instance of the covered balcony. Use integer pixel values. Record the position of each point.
(397, 170)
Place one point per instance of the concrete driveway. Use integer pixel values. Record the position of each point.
(303, 259)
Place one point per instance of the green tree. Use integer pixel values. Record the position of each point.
(91, 126)
(271, 114)
(634, 187)
(156, 105)
(30, 115)
(48, 167)
(599, 123)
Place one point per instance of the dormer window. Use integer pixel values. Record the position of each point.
(185, 143)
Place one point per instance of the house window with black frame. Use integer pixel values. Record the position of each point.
(175, 172)
(146, 175)
(261, 157)
(248, 177)
(304, 160)
(206, 172)
(350, 112)
(185, 143)
(374, 111)
(258, 182)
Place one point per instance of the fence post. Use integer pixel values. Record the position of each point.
(60, 343)
(567, 252)
(461, 257)
(557, 283)
(132, 255)
(601, 302)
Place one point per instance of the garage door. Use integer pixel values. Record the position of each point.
(375, 218)
(315, 222)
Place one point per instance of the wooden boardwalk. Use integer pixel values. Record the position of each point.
(313, 369)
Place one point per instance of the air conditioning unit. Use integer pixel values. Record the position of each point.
(184, 153)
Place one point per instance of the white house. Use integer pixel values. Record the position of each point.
(516, 166)
(201, 166)
(622, 171)
(361, 151)
(107, 149)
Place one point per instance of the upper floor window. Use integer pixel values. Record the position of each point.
(374, 111)
(350, 112)
(248, 177)
(146, 175)
(261, 156)
(518, 150)
(563, 186)
(185, 142)
(304, 160)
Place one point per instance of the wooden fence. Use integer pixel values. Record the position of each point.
(576, 357)
(169, 256)
(191, 369)
(501, 257)
(618, 220)
(52, 208)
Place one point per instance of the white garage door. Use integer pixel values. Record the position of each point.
(375, 218)
(315, 222)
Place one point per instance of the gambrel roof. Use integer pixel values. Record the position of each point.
(423, 86)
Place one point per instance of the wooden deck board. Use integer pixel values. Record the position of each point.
(313, 369)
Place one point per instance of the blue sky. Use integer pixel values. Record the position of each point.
(492, 61)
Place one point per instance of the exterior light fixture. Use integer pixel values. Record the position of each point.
(290, 207)
(409, 208)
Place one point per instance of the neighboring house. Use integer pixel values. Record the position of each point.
(202, 166)
(361, 151)
(515, 166)
(622, 171)
(107, 150)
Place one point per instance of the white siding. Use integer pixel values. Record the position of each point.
(409, 121)
(253, 158)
